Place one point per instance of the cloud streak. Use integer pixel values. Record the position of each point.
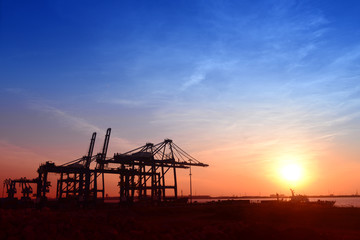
(76, 123)
(81, 125)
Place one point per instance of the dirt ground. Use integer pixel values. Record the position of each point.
(227, 220)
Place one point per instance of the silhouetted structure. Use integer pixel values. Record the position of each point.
(146, 172)
(150, 165)
(24, 183)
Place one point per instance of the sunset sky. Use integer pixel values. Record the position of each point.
(248, 87)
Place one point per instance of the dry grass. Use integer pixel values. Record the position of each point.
(229, 220)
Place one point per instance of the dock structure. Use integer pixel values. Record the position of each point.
(147, 173)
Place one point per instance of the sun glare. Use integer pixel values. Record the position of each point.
(291, 172)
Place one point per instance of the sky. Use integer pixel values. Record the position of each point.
(247, 87)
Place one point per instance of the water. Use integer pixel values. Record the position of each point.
(339, 201)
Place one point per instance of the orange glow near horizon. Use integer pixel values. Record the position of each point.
(244, 170)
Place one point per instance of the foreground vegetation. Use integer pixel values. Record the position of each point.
(226, 220)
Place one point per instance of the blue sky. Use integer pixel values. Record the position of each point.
(254, 78)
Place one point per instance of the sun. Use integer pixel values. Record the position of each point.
(291, 172)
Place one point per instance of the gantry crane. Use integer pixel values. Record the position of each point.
(146, 173)
(24, 184)
(153, 163)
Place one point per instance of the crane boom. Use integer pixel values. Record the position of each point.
(91, 149)
(106, 144)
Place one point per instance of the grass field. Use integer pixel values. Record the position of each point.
(227, 220)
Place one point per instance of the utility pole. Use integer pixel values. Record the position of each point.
(190, 184)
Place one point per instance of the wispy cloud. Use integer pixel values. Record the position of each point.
(348, 59)
(124, 102)
(309, 121)
(203, 68)
(81, 125)
(77, 123)
(194, 79)
(198, 75)
(15, 90)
